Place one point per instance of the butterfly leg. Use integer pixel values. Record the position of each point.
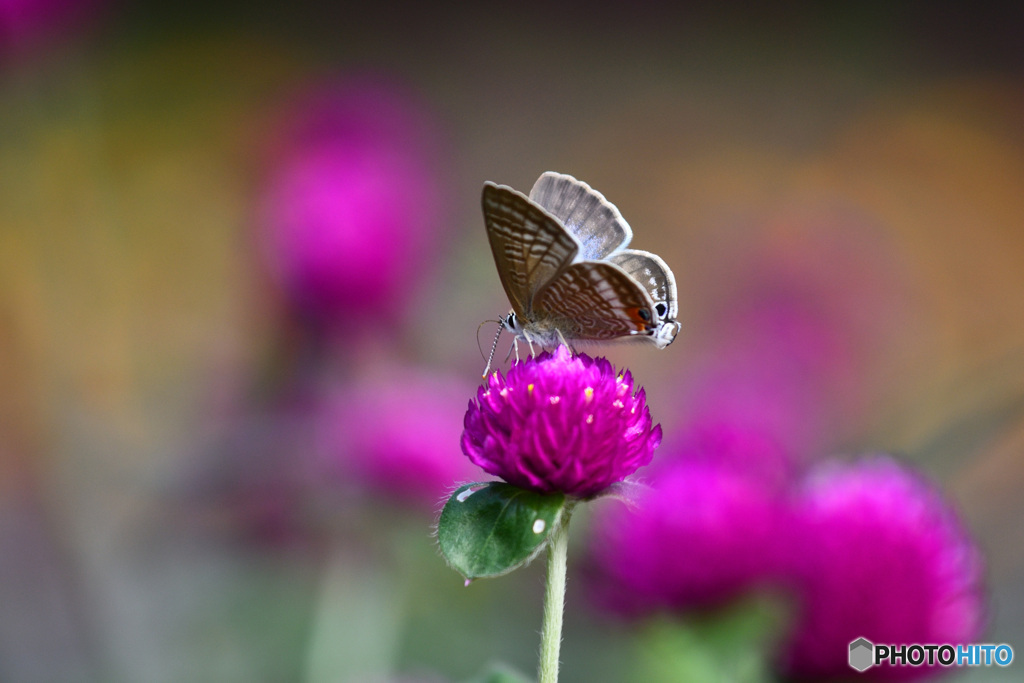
(566, 344)
(514, 347)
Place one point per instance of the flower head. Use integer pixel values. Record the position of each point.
(789, 345)
(352, 206)
(701, 535)
(560, 422)
(748, 414)
(885, 558)
(395, 435)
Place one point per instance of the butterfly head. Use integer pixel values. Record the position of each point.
(665, 333)
(511, 323)
(665, 328)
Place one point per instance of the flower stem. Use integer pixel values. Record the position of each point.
(554, 600)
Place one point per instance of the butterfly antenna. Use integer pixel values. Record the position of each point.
(490, 356)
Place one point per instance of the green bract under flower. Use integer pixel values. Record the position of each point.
(560, 423)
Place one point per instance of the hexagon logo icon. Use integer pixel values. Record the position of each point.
(862, 654)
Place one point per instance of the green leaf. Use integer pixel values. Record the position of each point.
(488, 529)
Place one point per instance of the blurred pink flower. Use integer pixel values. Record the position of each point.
(560, 422)
(883, 557)
(25, 24)
(700, 536)
(750, 415)
(788, 350)
(398, 436)
(351, 212)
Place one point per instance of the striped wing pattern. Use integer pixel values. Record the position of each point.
(530, 247)
(592, 219)
(595, 300)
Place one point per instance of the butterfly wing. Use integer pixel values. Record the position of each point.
(592, 219)
(595, 300)
(654, 276)
(530, 246)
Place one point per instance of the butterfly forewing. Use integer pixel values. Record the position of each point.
(595, 300)
(592, 219)
(530, 247)
(651, 273)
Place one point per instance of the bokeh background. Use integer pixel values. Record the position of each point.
(194, 482)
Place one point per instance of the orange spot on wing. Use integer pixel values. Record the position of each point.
(638, 320)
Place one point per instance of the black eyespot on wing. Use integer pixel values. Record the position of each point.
(661, 308)
(653, 275)
(644, 314)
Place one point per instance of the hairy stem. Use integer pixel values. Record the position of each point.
(554, 600)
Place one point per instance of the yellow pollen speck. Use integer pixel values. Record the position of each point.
(590, 419)
(529, 388)
(588, 394)
(617, 403)
(555, 399)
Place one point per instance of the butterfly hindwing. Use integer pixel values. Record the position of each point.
(594, 221)
(596, 300)
(530, 247)
(654, 276)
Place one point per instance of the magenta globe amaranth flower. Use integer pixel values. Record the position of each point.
(560, 422)
(749, 414)
(394, 434)
(352, 206)
(883, 557)
(701, 535)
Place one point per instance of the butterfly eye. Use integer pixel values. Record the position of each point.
(644, 314)
(661, 308)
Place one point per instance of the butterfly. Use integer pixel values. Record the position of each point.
(562, 259)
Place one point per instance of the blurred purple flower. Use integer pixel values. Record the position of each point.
(700, 536)
(352, 209)
(397, 435)
(750, 416)
(818, 289)
(560, 422)
(25, 24)
(788, 348)
(884, 557)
